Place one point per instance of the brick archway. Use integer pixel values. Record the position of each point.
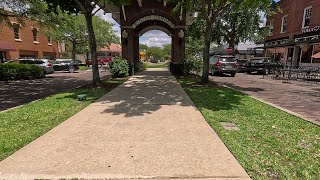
(140, 16)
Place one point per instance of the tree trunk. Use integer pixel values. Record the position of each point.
(74, 44)
(206, 50)
(93, 48)
(232, 42)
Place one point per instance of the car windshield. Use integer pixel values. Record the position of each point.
(60, 62)
(227, 59)
(242, 61)
(214, 59)
(31, 62)
(257, 60)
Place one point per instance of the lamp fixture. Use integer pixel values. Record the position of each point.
(125, 34)
(181, 34)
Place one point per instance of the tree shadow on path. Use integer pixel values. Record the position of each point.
(144, 94)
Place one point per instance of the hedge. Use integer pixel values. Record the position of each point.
(119, 67)
(13, 71)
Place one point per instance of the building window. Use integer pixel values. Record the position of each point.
(307, 17)
(16, 31)
(35, 35)
(49, 40)
(284, 24)
(271, 26)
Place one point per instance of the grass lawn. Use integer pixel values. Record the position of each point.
(83, 68)
(18, 127)
(158, 65)
(270, 144)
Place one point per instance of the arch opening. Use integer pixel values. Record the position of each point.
(155, 46)
(152, 16)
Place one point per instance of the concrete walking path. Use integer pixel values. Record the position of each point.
(147, 128)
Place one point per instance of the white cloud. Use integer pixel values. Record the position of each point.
(155, 38)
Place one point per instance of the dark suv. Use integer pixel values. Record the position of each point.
(262, 65)
(223, 64)
(65, 65)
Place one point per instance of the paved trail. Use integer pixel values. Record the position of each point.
(146, 128)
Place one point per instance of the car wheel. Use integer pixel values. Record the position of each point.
(233, 74)
(43, 75)
(71, 69)
(266, 71)
(214, 73)
(211, 72)
(248, 72)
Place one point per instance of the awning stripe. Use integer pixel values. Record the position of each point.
(6, 46)
(317, 56)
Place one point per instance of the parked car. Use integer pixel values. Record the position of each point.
(101, 60)
(43, 63)
(9, 61)
(242, 63)
(65, 65)
(80, 63)
(262, 65)
(223, 64)
(104, 60)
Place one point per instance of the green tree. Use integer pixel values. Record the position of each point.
(71, 29)
(243, 24)
(105, 35)
(143, 46)
(68, 28)
(211, 10)
(88, 9)
(155, 52)
(20, 9)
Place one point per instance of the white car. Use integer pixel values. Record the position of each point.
(43, 63)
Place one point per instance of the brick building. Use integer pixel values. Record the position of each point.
(25, 42)
(295, 33)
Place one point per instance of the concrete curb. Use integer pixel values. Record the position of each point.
(274, 105)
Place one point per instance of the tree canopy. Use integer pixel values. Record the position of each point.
(20, 9)
(88, 8)
(210, 12)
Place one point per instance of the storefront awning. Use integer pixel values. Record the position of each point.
(6, 46)
(316, 56)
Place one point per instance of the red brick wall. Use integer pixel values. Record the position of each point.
(27, 45)
(295, 11)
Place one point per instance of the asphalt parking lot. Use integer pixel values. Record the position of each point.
(300, 98)
(15, 93)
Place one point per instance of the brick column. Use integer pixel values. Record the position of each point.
(178, 53)
(128, 48)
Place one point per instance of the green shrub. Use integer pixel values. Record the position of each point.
(119, 67)
(193, 65)
(13, 71)
(83, 68)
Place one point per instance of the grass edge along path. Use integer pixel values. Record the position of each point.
(157, 65)
(22, 125)
(271, 144)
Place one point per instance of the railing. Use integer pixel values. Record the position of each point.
(305, 74)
